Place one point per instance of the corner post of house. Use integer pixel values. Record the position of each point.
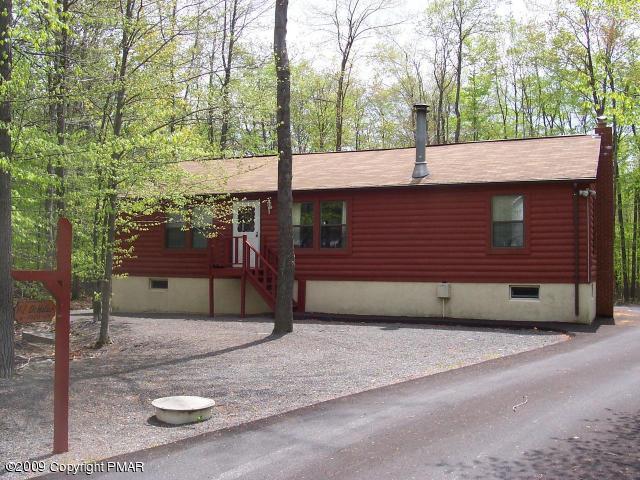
(243, 281)
(576, 249)
(605, 222)
(302, 295)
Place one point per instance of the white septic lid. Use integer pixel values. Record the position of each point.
(183, 403)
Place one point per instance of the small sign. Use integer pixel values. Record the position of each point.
(31, 311)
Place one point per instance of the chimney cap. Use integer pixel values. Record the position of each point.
(421, 107)
(602, 120)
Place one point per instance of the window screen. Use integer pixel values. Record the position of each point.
(175, 235)
(303, 225)
(507, 213)
(333, 224)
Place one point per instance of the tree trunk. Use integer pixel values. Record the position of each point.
(95, 243)
(439, 133)
(340, 106)
(286, 259)
(211, 109)
(503, 109)
(516, 112)
(620, 215)
(7, 338)
(61, 103)
(112, 183)
(226, 113)
(54, 204)
(634, 246)
(456, 106)
(106, 287)
(227, 62)
(617, 132)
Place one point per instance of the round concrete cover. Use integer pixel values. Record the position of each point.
(183, 403)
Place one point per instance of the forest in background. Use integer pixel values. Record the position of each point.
(109, 95)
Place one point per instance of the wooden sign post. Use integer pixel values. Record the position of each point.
(58, 282)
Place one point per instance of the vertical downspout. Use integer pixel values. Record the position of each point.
(576, 231)
(588, 229)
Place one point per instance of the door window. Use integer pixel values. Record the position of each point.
(246, 218)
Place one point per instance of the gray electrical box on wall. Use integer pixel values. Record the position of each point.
(444, 290)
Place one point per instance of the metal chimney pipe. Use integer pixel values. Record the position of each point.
(420, 168)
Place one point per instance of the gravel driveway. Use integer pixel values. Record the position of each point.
(249, 374)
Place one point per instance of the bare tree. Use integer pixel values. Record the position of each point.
(286, 259)
(468, 17)
(237, 15)
(439, 28)
(351, 21)
(230, 32)
(55, 203)
(598, 42)
(403, 64)
(6, 283)
(321, 112)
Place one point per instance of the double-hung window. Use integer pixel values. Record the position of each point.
(201, 222)
(175, 233)
(507, 221)
(333, 224)
(320, 225)
(178, 236)
(303, 224)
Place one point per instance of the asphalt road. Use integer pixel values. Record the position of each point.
(581, 420)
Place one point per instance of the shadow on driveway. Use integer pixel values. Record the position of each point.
(608, 449)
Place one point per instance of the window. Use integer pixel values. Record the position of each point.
(507, 213)
(158, 284)
(525, 291)
(201, 221)
(178, 237)
(303, 225)
(199, 239)
(333, 224)
(175, 234)
(246, 218)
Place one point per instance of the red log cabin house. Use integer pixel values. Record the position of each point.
(513, 230)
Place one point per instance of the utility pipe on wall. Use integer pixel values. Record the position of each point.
(577, 193)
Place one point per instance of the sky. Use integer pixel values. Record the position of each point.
(306, 39)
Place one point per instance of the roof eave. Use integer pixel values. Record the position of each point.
(420, 185)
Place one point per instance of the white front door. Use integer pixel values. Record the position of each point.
(246, 221)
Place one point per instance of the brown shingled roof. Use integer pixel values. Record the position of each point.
(541, 159)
